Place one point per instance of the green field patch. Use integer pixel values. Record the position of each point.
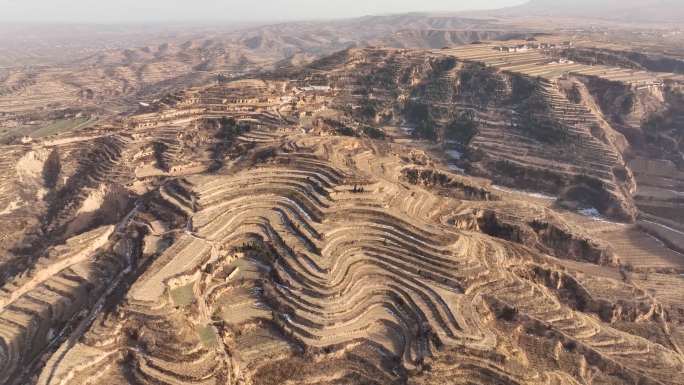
(59, 126)
(207, 335)
(40, 131)
(183, 296)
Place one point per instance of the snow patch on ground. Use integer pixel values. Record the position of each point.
(454, 154)
(407, 130)
(590, 212)
(595, 215)
(528, 193)
(455, 168)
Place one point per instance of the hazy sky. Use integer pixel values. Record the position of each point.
(99, 11)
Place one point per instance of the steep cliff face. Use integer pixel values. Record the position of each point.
(650, 119)
(548, 235)
(662, 128)
(578, 92)
(626, 106)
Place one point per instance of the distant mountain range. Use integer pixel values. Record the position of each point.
(646, 11)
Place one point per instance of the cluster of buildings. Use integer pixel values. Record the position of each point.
(242, 100)
(532, 45)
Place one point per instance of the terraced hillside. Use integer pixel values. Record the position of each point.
(51, 73)
(327, 264)
(520, 130)
(308, 227)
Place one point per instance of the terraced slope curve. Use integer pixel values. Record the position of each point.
(322, 264)
(288, 230)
